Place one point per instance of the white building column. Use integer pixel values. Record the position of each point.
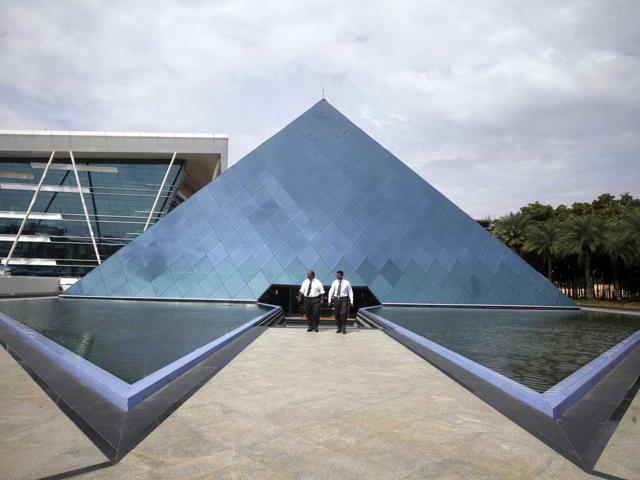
(216, 172)
(155, 202)
(26, 215)
(84, 207)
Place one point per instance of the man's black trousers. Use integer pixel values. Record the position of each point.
(312, 311)
(341, 306)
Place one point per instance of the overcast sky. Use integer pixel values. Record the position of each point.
(495, 103)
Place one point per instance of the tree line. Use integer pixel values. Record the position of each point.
(588, 250)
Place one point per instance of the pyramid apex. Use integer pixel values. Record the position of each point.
(321, 102)
(324, 105)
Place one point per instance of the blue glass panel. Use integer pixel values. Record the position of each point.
(501, 289)
(233, 284)
(476, 289)
(367, 271)
(240, 254)
(505, 274)
(297, 241)
(484, 273)
(272, 270)
(115, 282)
(210, 284)
(437, 273)
(285, 255)
(324, 272)
(163, 281)
(202, 268)
(308, 255)
(195, 292)
(285, 279)
(391, 272)
(249, 269)
(217, 254)
(186, 283)
(263, 255)
(414, 272)
(453, 289)
(225, 268)
(380, 287)
(442, 296)
(92, 280)
(179, 267)
(446, 259)
(259, 284)
(297, 270)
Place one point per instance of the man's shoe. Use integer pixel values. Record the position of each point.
(315, 329)
(309, 329)
(344, 331)
(338, 331)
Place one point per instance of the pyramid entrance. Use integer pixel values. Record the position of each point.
(285, 296)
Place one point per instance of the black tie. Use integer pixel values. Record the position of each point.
(309, 288)
(339, 288)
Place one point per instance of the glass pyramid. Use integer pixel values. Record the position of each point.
(321, 195)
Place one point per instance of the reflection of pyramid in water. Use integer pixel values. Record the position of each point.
(322, 195)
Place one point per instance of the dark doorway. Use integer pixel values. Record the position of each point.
(285, 296)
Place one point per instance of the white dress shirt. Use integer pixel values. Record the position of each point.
(345, 290)
(316, 288)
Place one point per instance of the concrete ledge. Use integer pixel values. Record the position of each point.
(623, 311)
(164, 299)
(28, 286)
(564, 394)
(484, 305)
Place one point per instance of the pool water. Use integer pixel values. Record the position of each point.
(129, 339)
(537, 348)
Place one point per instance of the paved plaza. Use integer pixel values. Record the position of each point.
(303, 405)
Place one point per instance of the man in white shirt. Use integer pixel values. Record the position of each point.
(312, 291)
(340, 297)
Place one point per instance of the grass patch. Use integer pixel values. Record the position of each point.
(610, 304)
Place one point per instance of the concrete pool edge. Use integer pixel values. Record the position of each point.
(487, 306)
(564, 394)
(164, 299)
(552, 403)
(123, 395)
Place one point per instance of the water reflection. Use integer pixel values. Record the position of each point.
(129, 339)
(533, 347)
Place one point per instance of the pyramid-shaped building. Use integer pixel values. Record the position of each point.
(321, 195)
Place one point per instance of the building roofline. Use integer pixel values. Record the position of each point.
(81, 133)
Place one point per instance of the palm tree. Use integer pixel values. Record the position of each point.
(511, 230)
(619, 247)
(542, 238)
(631, 229)
(583, 235)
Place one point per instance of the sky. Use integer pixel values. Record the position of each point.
(495, 103)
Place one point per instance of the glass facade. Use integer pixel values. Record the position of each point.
(118, 193)
(322, 195)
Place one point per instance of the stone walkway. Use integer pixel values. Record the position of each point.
(36, 438)
(303, 405)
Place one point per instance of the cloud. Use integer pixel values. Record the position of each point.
(496, 103)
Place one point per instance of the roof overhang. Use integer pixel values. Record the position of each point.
(205, 154)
